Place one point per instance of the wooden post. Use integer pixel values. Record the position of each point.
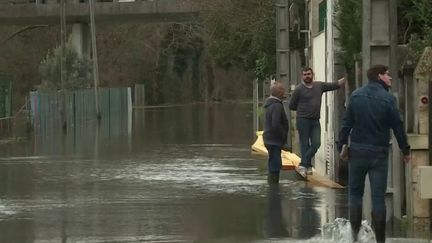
(139, 95)
(255, 106)
(63, 63)
(94, 58)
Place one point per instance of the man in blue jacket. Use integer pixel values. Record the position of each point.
(371, 113)
(275, 130)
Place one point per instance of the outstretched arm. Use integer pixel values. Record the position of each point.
(333, 86)
(342, 81)
(398, 130)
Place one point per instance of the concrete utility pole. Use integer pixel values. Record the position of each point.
(380, 36)
(283, 42)
(283, 54)
(94, 58)
(379, 47)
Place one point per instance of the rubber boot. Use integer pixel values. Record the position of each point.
(273, 178)
(379, 226)
(355, 216)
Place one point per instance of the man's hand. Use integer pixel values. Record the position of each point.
(407, 158)
(342, 81)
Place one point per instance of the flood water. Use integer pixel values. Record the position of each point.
(174, 174)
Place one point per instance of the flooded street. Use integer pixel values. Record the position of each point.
(177, 174)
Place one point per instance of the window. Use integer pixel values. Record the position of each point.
(322, 15)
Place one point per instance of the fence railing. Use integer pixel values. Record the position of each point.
(17, 2)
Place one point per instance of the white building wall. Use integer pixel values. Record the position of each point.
(322, 60)
(319, 57)
(330, 96)
(319, 67)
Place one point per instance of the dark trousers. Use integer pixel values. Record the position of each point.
(309, 131)
(377, 170)
(274, 158)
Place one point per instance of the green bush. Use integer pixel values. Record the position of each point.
(348, 16)
(415, 26)
(78, 70)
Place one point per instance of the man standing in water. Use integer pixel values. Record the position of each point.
(275, 130)
(306, 101)
(371, 113)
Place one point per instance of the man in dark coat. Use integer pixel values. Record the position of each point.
(275, 130)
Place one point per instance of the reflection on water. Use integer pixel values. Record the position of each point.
(275, 226)
(179, 174)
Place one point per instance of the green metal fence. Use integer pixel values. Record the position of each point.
(48, 111)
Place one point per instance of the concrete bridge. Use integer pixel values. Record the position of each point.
(30, 12)
(47, 12)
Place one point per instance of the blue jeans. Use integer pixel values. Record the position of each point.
(274, 158)
(377, 169)
(310, 139)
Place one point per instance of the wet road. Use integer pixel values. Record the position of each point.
(178, 174)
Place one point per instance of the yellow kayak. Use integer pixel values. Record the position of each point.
(291, 161)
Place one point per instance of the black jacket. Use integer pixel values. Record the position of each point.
(275, 123)
(371, 113)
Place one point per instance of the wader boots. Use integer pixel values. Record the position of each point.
(355, 216)
(379, 226)
(273, 178)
